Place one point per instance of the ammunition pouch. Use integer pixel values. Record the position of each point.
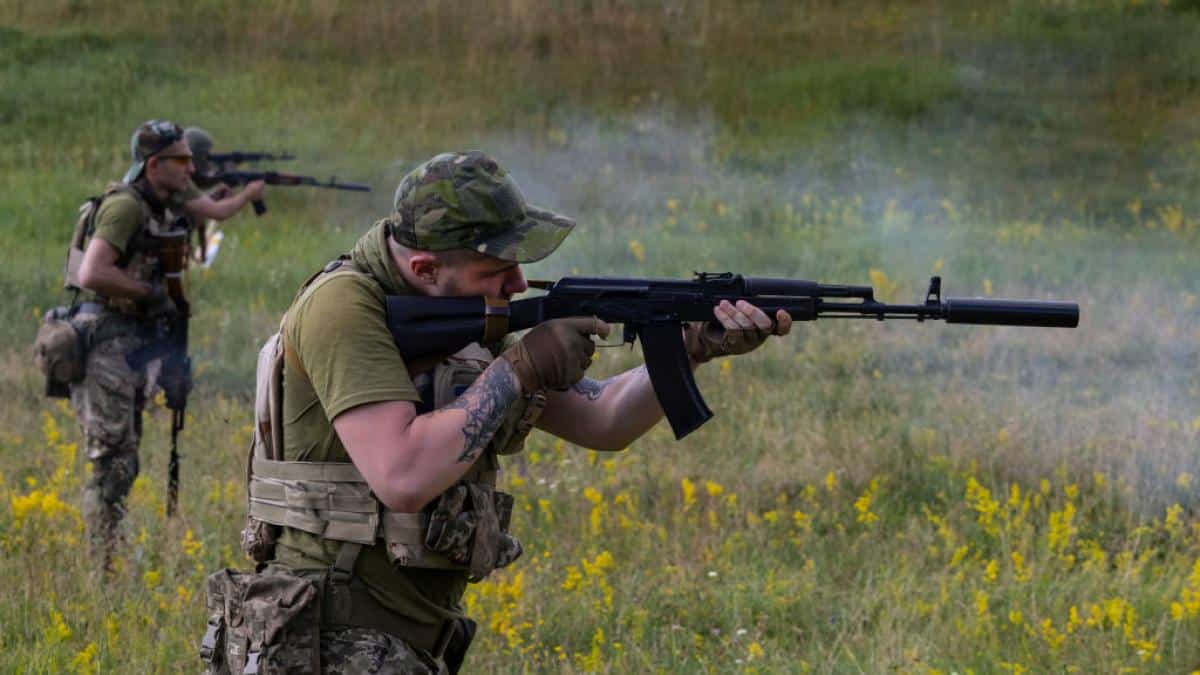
(59, 351)
(469, 525)
(262, 624)
(271, 622)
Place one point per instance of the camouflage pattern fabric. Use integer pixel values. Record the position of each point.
(466, 526)
(465, 200)
(268, 623)
(356, 651)
(108, 404)
(150, 138)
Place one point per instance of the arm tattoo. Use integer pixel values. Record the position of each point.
(589, 388)
(485, 403)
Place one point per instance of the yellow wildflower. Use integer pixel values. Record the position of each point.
(58, 630)
(981, 604)
(192, 546)
(1053, 638)
(689, 493)
(991, 572)
(573, 580)
(84, 662)
(863, 503)
(638, 251)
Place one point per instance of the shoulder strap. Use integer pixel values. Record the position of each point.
(341, 264)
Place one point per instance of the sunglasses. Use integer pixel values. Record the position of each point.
(180, 161)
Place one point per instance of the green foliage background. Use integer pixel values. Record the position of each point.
(957, 488)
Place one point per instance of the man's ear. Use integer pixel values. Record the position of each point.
(424, 266)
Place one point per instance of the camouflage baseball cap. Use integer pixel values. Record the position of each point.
(149, 139)
(466, 200)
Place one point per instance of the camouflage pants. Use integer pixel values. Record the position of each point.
(108, 405)
(355, 651)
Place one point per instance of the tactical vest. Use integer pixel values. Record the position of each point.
(140, 259)
(466, 528)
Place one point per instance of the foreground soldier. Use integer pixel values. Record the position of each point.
(123, 292)
(372, 499)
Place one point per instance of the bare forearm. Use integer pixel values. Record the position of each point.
(219, 209)
(604, 415)
(112, 282)
(445, 443)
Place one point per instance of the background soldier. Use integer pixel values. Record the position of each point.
(422, 438)
(123, 293)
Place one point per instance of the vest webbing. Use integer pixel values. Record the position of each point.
(331, 499)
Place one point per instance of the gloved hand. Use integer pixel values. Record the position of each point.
(554, 354)
(738, 329)
(157, 302)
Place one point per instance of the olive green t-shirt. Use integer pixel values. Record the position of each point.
(338, 331)
(120, 215)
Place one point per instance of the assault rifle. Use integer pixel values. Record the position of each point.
(236, 178)
(655, 309)
(227, 160)
(225, 170)
(170, 343)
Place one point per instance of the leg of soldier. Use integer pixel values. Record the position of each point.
(357, 651)
(108, 405)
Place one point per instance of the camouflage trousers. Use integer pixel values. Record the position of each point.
(108, 405)
(355, 651)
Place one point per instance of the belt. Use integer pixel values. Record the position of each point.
(348, 604)
(110, 324)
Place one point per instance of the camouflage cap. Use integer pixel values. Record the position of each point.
(149, 139)
(466, 200)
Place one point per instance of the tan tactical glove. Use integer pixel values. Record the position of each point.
(740, 329)
(554, 354)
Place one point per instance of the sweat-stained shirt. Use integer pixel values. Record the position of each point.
(337, 328)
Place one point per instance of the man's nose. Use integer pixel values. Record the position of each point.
(515, 283)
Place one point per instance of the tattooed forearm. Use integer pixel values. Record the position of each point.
(485, 403)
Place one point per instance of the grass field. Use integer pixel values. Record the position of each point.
(892, 497)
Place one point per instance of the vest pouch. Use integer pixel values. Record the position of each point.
(213, 644)
(465, 526)
(258, 539)
(58, 352)
(265, 624)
